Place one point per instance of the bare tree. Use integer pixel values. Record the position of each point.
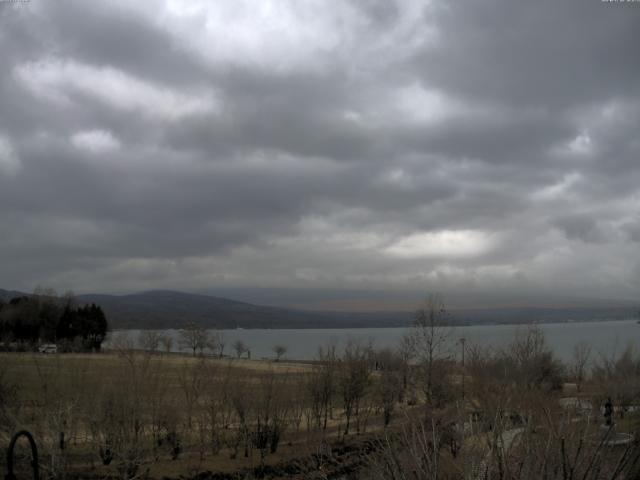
(217, 344)
(321, 386)
(270, 413)
(119, 417)
(354, 378)
(240, 348)
(412, 454)
(193, 380)
(242, 404)
(531, 361)
(194, 338)
(431, 333)
(149, 340)
(387, 392)
(121, 342)
(167, 343)
(8, 396)
(406, 352)
(214, 406)
(554, 447)
(581, 357)
(279, 351)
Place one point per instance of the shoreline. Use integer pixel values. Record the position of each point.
(387, 327)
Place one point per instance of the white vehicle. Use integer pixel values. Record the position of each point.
(48, 348)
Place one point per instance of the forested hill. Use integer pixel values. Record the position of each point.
(170, 309)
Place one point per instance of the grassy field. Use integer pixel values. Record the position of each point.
(175, 414)
(29, 370)
(130, 414)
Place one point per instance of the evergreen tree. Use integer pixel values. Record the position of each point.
(47, 318)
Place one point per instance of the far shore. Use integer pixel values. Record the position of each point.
(361, 327)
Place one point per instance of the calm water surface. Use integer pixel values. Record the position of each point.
(605, 338)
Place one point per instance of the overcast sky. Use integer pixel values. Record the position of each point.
(485, 146)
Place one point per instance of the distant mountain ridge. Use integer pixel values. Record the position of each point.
(7, 295)
(171, 309)
(162, 309)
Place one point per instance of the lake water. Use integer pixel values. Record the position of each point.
(605, 338)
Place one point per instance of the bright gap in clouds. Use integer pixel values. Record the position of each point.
(95, 141)
(446, 243)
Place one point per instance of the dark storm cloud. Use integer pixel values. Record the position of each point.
(379, 12)
(541, 53)
(486, 145)
(507, 137)
(119, 38)
(580, 227)
(633, 230)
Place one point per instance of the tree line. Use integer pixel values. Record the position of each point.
(45, 317)
(194, 339)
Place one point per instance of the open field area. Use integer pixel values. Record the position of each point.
(31, 369)
(365, 413)
(166, 414)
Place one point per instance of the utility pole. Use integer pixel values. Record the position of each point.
(462, 342)
(463, 409)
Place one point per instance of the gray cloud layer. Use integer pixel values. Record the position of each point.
(476, 145)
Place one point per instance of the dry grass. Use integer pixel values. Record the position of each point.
(27, 370)
(76, 385)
